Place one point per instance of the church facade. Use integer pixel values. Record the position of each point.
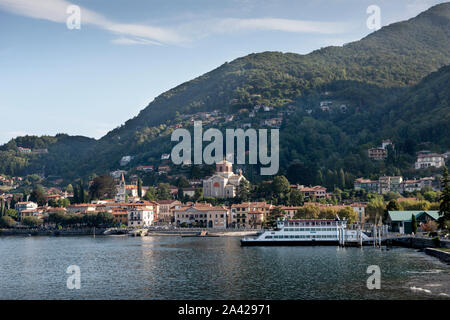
(224, 183)
(121, 191)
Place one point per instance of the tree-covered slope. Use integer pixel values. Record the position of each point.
(321, 144)
(378, 78)
(397, 55)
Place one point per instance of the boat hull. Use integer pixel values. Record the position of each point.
(253, 243)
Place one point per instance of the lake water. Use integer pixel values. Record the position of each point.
(210, 268)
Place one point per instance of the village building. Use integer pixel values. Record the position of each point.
(120, 216)
(316, 192)
(427, 160)
(26, 208)
(224, 183)
(290, 211)
(167, 210)
(202, 215)
(390, 184)
(377, 153)
(249, 214)
(366, 184)
(401, 221)
(145, 168)
(121, 190)
(190, 192)
(142, 214)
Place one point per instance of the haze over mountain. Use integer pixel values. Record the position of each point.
(378, 78)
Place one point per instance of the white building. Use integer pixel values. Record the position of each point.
(224, 183)
(141, 215)
(25, 208)
(125, 160)
(426, 160)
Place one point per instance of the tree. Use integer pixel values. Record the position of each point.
(102, 187)
(349, 214)
(444, 207)
(393, 205)
(7, 222)
(280, 187)
(280, 184)
(2, 208)
(139, 188)
(296, 198)
(82, 194)
(430, 196)
(38, 196)
(198, 194)
(69, 188)
(56, 217)
(76, 194)
(307, 212)
(163, 192)
(243, 190)
(275, 214)
(341, 178)
(429, 226)
(31, 221)
(11, 213)
(375, 209)
(150, 195)
(413, 224)
(104, 219)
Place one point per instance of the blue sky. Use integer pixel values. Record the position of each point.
(91, 80)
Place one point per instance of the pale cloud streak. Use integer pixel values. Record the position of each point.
(55, 11)
(143, 34)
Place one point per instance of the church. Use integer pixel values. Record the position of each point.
(224, 183)
(121, 191)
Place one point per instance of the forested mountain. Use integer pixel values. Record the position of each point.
(416, 118)
(397, 55)
(378, 79)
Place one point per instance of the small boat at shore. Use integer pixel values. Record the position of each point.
(203, 234)
(301, 232)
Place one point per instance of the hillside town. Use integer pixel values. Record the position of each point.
(222, 201)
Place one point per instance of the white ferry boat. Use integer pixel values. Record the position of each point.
(297, 232)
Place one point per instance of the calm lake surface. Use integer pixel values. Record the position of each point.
(211, 268)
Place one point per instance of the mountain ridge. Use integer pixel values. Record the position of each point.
(396, 56)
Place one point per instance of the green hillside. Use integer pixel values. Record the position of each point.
(378, 79)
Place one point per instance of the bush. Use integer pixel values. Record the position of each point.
(31, 221)
(436, 241)
(7, 222)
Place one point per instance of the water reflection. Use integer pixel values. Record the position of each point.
(210, 268)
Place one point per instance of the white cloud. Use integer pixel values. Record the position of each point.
(286, 25)
(55, 10)
(132, 34)
(130, 41)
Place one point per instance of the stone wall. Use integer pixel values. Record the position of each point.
(441, 255)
